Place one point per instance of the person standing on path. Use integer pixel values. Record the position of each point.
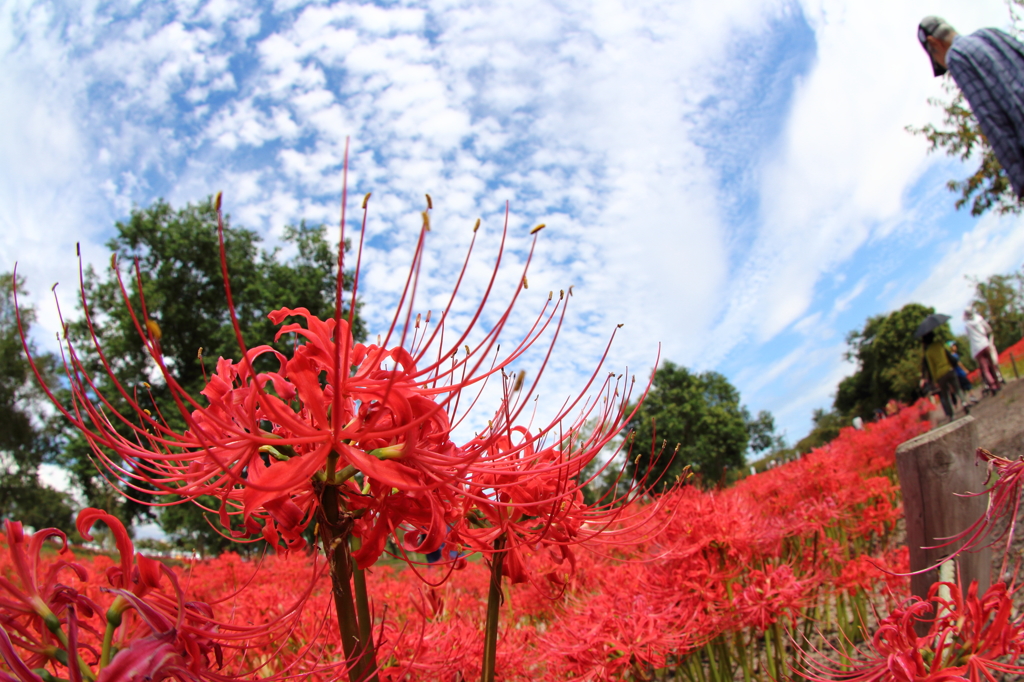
(988, 67)
(935, 365)
(979, 334)
(961, 372)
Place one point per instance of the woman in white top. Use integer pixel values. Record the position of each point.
(979, 333)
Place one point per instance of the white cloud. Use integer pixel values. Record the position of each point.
(843, 302)
(836, 190)
(611, 122)
(993, 247)
(846, 160)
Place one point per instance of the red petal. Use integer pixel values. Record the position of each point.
(89, 516)
(388, 472)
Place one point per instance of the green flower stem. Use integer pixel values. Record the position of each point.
(493, 603)
(780, 651)
(809, 618)
(772, 670)
(363, 609)
(348, 472)
(697, 663)
(683, 669)
(332, 466)
(53, 625)
(713, 671)
(741, 651)
(843, 624)
(114, 615)
(335, 532)
(860, 610)
(726, 664)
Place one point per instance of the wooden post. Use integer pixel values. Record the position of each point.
(1013, 361)
(933, 468)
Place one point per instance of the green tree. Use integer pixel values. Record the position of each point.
(1000, 300)
(24, 444)
(960, 136)
(699, 412)
(179, 260)
(888, 361)
(762, 432)
(825, 430)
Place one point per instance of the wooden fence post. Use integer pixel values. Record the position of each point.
(1013, 361)
(933, 468)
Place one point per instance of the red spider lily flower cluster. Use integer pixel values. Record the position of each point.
(138, 626)
(972, 638)
(714, 581)
(719, 583)
(359, 437)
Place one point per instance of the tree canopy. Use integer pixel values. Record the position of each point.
(24, 442)
(699, 412)
(1000, 300)
(179, 260)
(888, 361)
(825, 429)
(960, 136)
(762, 432)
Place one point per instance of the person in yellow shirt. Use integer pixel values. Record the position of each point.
(937, 366)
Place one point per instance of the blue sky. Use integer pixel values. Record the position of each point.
(731, 180)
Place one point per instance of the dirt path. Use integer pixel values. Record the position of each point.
(1001, 421)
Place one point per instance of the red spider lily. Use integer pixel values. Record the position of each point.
(769, 595)
(620, 631)
(1000, 519)
(983, 630)
(359, 436)
(972, 639)
(533, 497)
(33, 605)
(370, 421)
(135, 627)
(652, 594)
(860, 573)
(160, 644)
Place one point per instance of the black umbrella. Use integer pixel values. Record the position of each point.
(931, 323)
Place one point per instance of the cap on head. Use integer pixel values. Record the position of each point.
(937, 27)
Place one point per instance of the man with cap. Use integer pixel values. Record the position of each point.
(988, 67)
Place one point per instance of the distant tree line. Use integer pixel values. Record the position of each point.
(691, 424)
(696, 420)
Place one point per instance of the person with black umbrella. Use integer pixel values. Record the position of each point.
(936, 364)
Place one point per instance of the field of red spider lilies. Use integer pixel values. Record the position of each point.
(790, 572)
(740, 583)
